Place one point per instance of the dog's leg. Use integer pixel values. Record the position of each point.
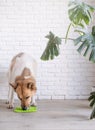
(33, 103)
(7, 102)
(11, 97)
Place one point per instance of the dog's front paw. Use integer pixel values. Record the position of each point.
(10, 107)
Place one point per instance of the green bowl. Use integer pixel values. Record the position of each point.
(31, 109)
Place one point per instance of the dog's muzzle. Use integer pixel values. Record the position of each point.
(24, 108)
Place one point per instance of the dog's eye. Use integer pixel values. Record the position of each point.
(27, 97)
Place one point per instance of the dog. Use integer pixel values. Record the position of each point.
(22, 80)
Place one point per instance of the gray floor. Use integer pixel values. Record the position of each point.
(51, 115)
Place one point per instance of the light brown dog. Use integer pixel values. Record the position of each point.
(22, 80)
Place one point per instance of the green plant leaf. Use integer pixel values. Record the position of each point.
(92, 55)
(52, 49)
(77, 40)
(86, 44)
(92, 99)
(86, 51)
(82, 46)
(80, 13)
(92, 102)
(93, 30)
(93, 113)
(93, 93)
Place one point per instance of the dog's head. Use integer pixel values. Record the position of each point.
(25, 89)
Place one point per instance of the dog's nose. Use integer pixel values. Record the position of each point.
(24, 108)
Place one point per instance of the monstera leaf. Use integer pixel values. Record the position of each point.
(86, 44)
(93, 112)
(52, 48)
(80, 13)
(92, 99)
(92, 104)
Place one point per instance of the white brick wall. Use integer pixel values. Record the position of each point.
(23, 25)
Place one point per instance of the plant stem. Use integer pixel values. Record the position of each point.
(68, 38)
(67, 32)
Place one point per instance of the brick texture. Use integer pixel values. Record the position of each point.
(23, 26)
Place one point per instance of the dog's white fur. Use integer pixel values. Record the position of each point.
(18, 63)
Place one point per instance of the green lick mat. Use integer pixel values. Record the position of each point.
(31, 109)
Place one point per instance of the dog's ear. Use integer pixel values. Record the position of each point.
(18, 81)
(14, 85)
